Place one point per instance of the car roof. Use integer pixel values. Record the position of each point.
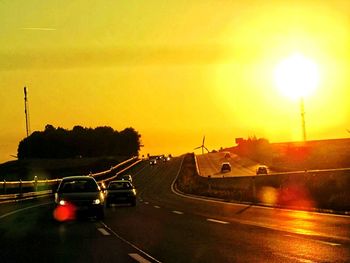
(118, 181)
(78, 177)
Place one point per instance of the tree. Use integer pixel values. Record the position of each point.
(60, 143)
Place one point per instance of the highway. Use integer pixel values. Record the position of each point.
(209, 164)
(166, 226)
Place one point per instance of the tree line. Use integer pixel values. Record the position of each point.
(79, 142)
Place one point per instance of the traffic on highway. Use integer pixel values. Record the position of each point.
(166, 225)
(184, 131)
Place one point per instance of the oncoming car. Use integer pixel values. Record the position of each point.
(225, 167)
(78, 195)
(262, 169)
(153, 162)
(120, 191)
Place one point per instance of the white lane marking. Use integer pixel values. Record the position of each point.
(217, 221)
(103, 231)
(156, 206)
(138, 258)
(178, 212)
(295, 259)
(146, 203)
(315, 240)
(129, 243)
(22, 209)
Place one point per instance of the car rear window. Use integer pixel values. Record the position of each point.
(119, 185)
(78, 186)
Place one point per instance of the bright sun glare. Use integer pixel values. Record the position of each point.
(297, 76)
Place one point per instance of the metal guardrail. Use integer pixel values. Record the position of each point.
(24, 196)
(112, 168)
(121, 171)
(7, 186)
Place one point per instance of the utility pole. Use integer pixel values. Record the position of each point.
(26, 111)
(302, 113)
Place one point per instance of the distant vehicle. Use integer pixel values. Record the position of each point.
(153, 162)
(126, 177)
(225, 167)
(120, 191)
(165, 158)
(81, 195)
(262, 170)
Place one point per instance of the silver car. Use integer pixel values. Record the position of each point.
(80, 195)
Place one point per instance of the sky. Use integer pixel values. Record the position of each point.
(173, 70)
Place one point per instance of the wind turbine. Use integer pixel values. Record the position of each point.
(202, 146)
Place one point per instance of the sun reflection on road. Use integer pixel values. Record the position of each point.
(300, 222)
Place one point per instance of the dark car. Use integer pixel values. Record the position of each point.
(153, 162)
(261, 170)
(225, 167)
(166, 158)
(120, 191)
(78, 195)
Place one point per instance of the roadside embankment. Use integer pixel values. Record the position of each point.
(318, 190)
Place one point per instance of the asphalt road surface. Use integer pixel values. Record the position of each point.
(209, 164)
(168, 227)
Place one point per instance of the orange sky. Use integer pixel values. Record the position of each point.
(174, 71)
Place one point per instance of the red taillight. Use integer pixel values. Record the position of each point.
(64, 212)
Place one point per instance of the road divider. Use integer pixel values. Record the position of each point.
(322, 191)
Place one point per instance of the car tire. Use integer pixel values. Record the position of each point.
(100, 214)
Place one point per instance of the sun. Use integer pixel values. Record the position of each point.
(296, 76)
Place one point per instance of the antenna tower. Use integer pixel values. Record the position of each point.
(26, 111)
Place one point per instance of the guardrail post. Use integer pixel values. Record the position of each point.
(4, 186)
(20, 186)
(35, 183)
